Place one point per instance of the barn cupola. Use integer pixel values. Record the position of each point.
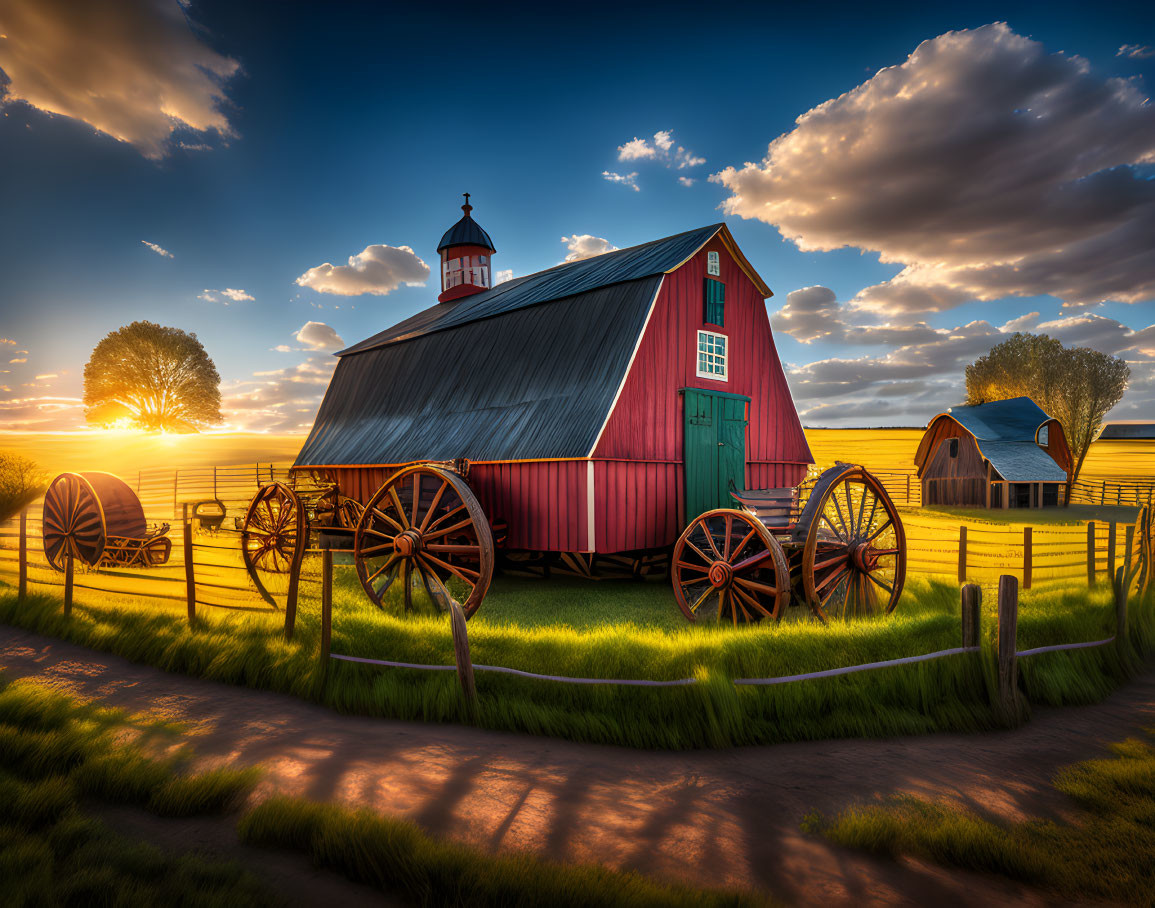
(465, 251)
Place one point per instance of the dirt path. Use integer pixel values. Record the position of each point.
(707, 817)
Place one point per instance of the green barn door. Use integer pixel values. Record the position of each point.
(715, 449)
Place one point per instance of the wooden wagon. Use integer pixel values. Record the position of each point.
(98, 520)
(574, 419)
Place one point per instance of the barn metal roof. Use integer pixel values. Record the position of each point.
(1005, 432)
(522, 382)
(1129, 430)
(570, 279)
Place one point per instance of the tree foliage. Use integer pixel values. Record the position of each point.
(21, 483)
(1075, 385)
(157, 378)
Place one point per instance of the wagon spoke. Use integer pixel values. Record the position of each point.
(838, 508)
(437, 590)
(453, 568)
(701, 599)
(433, 507)
(751, 600)
(416, 498)
(879, 531)
(706, 558)
(710, 539)
(829, 577)
(379, 513)
(755, 585)
(750, 562)
(726, 542)
(397, 504)
(442, 519)
(837, 559)
(686, 566)
(880, 583)
(374, 549)
(445, 531)
(742, 544)
(447, 549)
(389, 562)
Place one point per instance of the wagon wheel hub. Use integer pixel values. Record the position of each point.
(721, 574)
(408, 543)
(863, 558)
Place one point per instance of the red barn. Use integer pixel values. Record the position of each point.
(601, 404)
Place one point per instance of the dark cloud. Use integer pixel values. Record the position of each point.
(984, 165)
(133, 69)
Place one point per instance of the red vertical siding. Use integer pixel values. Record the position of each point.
(543, 502)
(638, 505)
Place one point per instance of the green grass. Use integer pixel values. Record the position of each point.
(54, 754)
(620, 630)
(398, 858)
(1106, 853)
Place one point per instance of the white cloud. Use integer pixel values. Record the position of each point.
(280, 400)
(985, 166)
(500, 277)
(686, 181)
(133, 69)
(377, 269)
(1136, 51)
(159, 250)
(661, 149)
(625, 179)
(282, 348)
(583, 246)
(226, 296)
(319, 336)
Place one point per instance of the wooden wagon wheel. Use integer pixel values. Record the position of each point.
(424, 524)
(73, 522)
(726, 565)
(854, 547)
(274, 534)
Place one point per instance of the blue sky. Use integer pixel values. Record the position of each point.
(325, 129)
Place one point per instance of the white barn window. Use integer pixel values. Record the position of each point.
(1043, 435)
(712, 265)
(712, 355)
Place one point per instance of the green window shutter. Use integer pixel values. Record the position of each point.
(715, 302)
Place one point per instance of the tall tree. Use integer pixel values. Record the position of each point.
(1076, 385)
(155, 377)
(21, 483)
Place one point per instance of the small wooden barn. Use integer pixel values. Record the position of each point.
(1002, 454)
(601, 404)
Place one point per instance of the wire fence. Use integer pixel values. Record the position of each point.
(206, 568)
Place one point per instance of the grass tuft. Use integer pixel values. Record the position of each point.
(1107, 853)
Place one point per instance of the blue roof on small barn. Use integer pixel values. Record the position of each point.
(1005, 432)
(1129, 430)
(555, 283)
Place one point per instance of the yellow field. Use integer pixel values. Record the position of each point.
(125, 453)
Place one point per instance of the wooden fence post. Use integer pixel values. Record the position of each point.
(190, 584)
(1090, 553)
(1027, 557)
(1121, 584)
(22, 587)
(326, 605)
(1008, 660)
(972, 596)
(461, 656)
(214, 480)
(1111, 551)
(962, 554)
(68, 583)
(1103, 494)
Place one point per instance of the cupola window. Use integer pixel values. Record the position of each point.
(465, 269)
(1043, 435)
(712, 264)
